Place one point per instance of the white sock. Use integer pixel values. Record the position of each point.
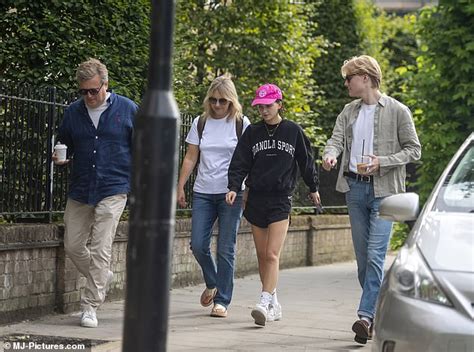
(274, 298)
(265, 297)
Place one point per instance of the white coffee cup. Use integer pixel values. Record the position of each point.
(61, 151)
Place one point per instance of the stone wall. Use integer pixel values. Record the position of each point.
(36, 277)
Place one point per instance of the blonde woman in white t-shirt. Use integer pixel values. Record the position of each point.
(213, 145)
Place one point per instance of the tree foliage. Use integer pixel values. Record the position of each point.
(355, 28)
(255, 42)
(391, 40)
(443, 85)
(336, 22)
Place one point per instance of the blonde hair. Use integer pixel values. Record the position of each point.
(363, 65)
(89, 69)
(226, 88)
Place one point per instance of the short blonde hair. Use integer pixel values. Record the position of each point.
(91, 68)
(363, 65)
(226, 88)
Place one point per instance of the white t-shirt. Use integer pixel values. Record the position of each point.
(95, 113)
(362, 134)
(218, 142)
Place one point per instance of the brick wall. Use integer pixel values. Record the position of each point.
(28, 279)
(36, 277)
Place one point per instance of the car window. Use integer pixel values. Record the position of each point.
(457, 191)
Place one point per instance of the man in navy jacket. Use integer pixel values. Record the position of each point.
(97, 130)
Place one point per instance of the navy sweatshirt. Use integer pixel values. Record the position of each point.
(270, 160)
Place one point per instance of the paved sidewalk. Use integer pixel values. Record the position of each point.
(319, 305)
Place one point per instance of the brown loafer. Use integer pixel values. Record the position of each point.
(363, 331)
(219, 311)
(207, 296)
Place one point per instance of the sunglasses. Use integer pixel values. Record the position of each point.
(222, 101)
(349, 77)
(92, 91)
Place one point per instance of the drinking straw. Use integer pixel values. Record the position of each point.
(363, 143)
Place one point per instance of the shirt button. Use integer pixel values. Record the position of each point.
(96, 137)
(95, 151)
(93, 165)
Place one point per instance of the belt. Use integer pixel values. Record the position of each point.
(361, 178)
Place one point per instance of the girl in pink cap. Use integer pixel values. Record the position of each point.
(267, 157)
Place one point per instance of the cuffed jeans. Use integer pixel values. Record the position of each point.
(206, 209)
(370, 237)
(84, 221)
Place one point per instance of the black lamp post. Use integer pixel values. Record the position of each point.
(152, 202)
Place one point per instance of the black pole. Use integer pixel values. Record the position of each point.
(152, 203)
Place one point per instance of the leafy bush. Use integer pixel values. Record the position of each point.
(400, 233)
(443, 85)
(337, 23)
(43, 41)
(257, 42)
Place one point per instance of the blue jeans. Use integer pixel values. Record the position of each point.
(370, 237)
(206, 209)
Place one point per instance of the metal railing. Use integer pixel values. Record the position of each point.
(32, 188)
(28, 118)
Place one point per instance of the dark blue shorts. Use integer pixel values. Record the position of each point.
(262, 209)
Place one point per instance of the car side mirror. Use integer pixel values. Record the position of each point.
(403, 207)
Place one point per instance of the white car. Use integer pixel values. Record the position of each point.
(426, 302)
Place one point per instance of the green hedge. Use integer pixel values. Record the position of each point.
(43, 41)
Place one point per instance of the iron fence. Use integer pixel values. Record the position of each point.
(31, 187)
(28, 118)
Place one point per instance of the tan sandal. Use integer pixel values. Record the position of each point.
(219, 311)
(207, 296)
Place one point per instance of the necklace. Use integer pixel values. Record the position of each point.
(272, 131)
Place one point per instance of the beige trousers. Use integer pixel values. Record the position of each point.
(99, 223)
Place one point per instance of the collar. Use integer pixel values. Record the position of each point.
(382, 101)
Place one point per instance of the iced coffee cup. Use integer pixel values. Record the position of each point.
(61, 151)
(363, 163)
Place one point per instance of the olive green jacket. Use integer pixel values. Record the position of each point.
(395, 144)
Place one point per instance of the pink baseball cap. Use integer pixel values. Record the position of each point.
(267, 94)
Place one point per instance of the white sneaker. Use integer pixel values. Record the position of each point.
(89, 319)
(260, 314)
(274, 312)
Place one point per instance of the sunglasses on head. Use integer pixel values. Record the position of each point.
(91, 91)
(222, 101)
